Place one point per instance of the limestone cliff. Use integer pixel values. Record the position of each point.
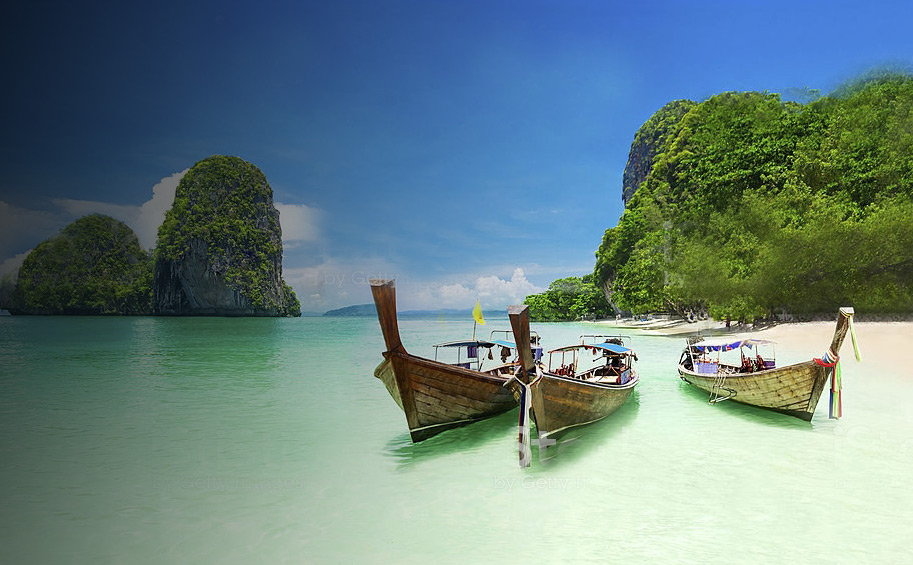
(650, 140)
(219, 250)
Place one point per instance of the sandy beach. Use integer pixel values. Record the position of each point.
(881, 344)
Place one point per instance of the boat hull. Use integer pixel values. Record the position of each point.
(436, 397)
(560, 403)
(793, 389)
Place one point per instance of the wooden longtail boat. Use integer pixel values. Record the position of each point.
(792, 389)
(565, 397)
(435, 396)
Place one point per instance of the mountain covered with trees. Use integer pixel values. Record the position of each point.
(95, 265)
(747, 206)
(219, 252)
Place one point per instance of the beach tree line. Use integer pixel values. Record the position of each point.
(571, 298)
(753, 206)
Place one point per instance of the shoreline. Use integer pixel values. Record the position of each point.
(881, 343)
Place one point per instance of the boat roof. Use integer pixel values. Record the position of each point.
(477, 343)
(727, 344)
(610, 347)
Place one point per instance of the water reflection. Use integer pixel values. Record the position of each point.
(471, 437)
(608, 433)
(502, 429)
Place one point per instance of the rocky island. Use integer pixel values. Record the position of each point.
(95, 265)
(218, 253)
(219, 249)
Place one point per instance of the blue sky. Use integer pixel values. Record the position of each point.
(469, 149)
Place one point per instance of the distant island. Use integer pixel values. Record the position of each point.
(369, 310)
(356, 310)
(747, 207)
(219, 252)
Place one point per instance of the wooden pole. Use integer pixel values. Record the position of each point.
(519, 323)
(384, 292)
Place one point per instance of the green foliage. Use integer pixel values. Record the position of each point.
(225, 204)
(292, 304)
(570, 298)
(754, 206)
(93, 266)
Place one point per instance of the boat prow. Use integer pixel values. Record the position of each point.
(562, 399)
(434, 396)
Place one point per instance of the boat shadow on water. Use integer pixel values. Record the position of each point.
(471, 437)
(606, 434)
(746, 411)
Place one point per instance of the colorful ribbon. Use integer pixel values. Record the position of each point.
(831, 362)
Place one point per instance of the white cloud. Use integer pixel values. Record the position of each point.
(453, 295)
(80, 208)
(299, 222)
(144, 220)
(492, 291)
(334, 283)
(513, 290)
(152, 212)
(12, 264)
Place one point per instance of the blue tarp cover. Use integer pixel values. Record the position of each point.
(728, 345)
(611, 347)
(478, 343)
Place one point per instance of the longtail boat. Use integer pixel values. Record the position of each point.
(756, 380)
(437, 396)
(567, 394)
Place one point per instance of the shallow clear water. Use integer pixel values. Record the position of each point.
(210, 440)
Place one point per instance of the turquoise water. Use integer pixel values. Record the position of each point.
(158, 440)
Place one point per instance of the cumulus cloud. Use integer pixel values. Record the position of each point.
(492, 291)
(12, 264)
(299, 222)
(335, 283)
(152, 212)
(144, 220)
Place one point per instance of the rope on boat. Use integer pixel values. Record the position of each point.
(831, 362)
(525, 452)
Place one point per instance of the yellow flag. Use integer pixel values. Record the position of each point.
(477, 313)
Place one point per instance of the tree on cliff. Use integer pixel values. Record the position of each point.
(570, 298)
(752, 205)
(219, 250)
(95, 265)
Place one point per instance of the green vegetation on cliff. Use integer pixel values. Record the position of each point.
(571, 298)
(753, 206)
(225, 205)
(93, 266)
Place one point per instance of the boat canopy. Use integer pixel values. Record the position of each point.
(610, 347)
(728, 344)
(478, 343)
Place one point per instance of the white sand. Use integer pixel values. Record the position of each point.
(882, 344)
